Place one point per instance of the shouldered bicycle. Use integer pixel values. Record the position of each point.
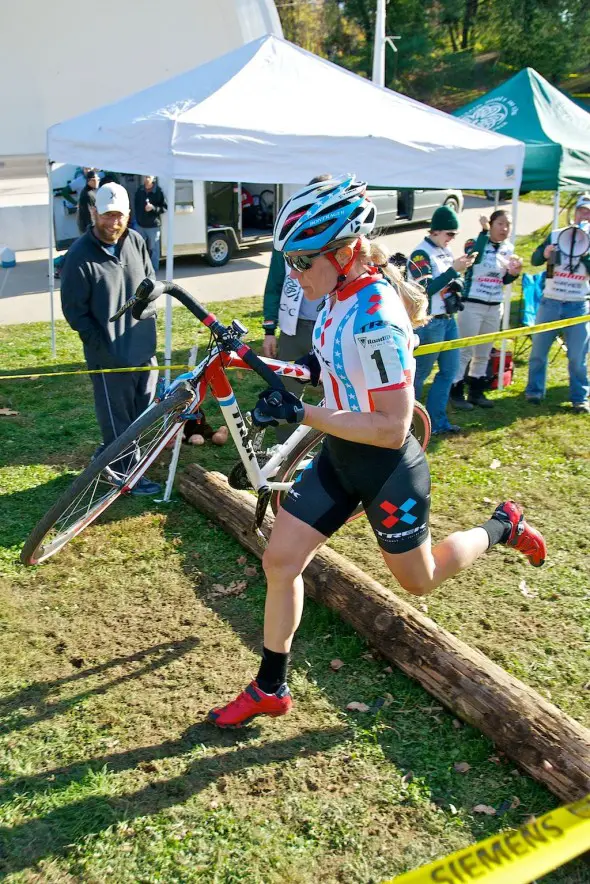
(117, 469)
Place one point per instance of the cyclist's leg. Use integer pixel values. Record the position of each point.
(399, 515)
(284, 561)
(316, 506)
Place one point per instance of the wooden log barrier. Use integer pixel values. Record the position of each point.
(550, 745)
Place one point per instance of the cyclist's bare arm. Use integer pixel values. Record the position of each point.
(386, 427)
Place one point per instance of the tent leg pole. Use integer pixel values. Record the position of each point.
(507, 297)
(556, 209)
(171, 199)
(50, 261)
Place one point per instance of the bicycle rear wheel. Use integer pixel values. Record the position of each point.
(106, 477)
(303, 454)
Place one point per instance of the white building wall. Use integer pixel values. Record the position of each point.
(61, 60)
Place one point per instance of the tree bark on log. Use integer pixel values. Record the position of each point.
(550, 745)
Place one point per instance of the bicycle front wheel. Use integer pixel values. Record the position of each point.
(303, 454)
(106, 477)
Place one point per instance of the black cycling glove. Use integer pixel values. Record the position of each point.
(277, 407)
(453, 299)
(311, 361)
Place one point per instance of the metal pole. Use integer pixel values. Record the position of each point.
(50, 261)
(496, 199)
(507, 296)
(379, 45)
(171, 199)
(556, 210)
(192, 361)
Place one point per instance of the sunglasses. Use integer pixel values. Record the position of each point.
(301, 263)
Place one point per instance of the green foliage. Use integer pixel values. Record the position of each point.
(446, 47)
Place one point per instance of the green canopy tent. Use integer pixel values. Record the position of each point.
(554, 129)
(556, 135)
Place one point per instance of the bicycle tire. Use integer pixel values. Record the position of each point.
(34, 551)
(310, 444)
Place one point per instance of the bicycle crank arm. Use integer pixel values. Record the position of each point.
(261, 507)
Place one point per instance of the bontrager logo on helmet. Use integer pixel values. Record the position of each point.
(321, 214)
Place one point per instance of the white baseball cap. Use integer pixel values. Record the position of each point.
(112, 198)
(583, 201)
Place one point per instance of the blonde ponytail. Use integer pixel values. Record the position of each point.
(414, 298)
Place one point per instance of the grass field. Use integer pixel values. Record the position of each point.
(113, 652)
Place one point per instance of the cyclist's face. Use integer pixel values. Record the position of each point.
(318, 280)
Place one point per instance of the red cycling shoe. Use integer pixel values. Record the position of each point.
(249, 704)
(523, 536)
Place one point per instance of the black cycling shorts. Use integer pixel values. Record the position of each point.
(393, 486)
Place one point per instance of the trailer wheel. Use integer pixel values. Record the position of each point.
(219, 249)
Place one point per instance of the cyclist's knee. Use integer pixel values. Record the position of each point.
(416, 587)
(276, 561)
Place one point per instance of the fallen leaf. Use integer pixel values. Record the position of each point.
(453, 809)
(487, 500)
(218, 587)
(242, 560)
(388, 670)
(336, 665)
(526, 591)
(495, 464)
(357, 707)
(8, 412)
(484, 808)
(250, 570)
(461, 766)
(388, 700)
(515, 802)
(547, 765)
(494, 759)
(423, 607)
(457, 724)
(408, 777)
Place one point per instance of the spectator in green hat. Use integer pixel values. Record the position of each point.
(432, 264)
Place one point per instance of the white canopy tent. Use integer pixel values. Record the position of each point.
(273, 113)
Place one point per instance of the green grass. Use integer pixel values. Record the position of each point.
(113, 652)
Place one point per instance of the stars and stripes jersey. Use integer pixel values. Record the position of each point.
(364, 343)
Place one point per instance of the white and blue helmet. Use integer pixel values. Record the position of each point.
(323, 213)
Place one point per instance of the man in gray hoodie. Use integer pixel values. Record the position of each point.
(102, 270)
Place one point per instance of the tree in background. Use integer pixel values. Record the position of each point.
(552, 36)
(448, 48)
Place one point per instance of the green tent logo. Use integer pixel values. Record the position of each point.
(492, 114)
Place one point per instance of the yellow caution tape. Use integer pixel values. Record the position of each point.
(488, 338)
(517, 856)
(61, 374)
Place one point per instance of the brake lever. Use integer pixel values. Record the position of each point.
(126, 306)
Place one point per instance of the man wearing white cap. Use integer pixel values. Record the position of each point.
(102, 270)
(565, 296)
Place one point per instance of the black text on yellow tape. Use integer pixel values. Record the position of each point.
(518, 856)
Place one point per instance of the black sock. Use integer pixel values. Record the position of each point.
(497, 530)
(273, 671)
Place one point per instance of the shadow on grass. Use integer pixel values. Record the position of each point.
(36, 697)
(25, 844)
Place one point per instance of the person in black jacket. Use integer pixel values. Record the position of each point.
(87, 199)
(103, 270)
(150, 205)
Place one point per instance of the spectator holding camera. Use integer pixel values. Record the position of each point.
(495, 266)
(432, 264)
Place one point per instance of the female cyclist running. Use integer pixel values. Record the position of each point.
(363, 340)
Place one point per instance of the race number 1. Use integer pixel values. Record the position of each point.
(380, 352)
